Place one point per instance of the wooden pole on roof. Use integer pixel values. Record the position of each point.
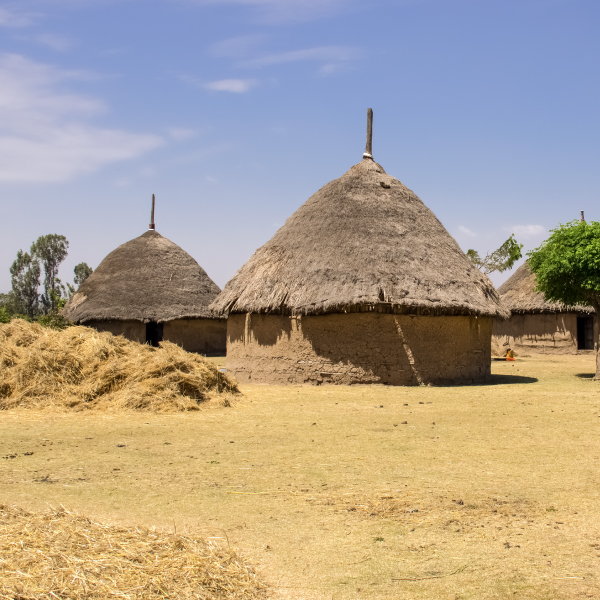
(582, 219)
(368, 153)
(152, 215)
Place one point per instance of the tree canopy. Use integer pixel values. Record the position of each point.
(51, 249)
(567, 268)
(82, 272)
(499, 260)
(25, 278)
(47, 252)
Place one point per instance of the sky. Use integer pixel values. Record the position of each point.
(234, 112)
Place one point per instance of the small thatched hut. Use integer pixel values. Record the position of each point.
(539, 326)
(149, 289)
(362, 284)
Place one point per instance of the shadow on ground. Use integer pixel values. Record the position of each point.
(585, 375)
(499, 379)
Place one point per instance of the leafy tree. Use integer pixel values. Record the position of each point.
(8, 303)
(499, 260)
(51, 249)
(82, 272)
(567, 268)
(25, 277)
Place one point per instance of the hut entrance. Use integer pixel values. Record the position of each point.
(154, 333)
(585, 333)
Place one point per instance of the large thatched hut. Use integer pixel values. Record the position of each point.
(149, 289)
(362, 284)
(539, 326)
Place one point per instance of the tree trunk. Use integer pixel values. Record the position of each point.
(596, 306)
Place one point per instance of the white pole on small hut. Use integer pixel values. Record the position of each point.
(152, 215)
(368, 153)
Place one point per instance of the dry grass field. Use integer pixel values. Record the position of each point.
(473, 492)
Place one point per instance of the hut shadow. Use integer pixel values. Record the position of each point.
(585, 375)
(500, 379)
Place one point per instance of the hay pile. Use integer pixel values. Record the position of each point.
(80, 368)
(67, 556)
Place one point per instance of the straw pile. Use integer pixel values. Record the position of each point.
(79, 368)
(67, 556)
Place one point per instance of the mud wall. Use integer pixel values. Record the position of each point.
(206, 336)
(552, 333)
(358, 348)
(132, 330)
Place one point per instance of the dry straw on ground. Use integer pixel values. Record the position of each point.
(80, 368)
(67, 556)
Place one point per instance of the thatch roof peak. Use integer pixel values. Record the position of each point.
(149, 278)
(519, 295)
(362, 242)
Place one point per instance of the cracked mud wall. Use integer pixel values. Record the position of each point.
(358, 348)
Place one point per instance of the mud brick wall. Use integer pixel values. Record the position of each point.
(358, 348)
(131, 330)
(206, 336)
(550, 333)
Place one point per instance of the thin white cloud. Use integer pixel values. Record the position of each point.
(466, 231)
(527, 231)
(45, 132)
(15, 18)
(180, 133)
(275, 12)
(237, 47)
(235, 86)
(55, 42)
(329, 55)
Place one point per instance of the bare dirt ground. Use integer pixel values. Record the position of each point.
(351, 492)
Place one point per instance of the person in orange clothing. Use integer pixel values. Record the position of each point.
(510, 355)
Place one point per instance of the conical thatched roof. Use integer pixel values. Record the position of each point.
(146, 279)
(519, 295)
(362, 242)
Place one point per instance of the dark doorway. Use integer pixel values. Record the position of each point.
(585, 333)
(154, 333)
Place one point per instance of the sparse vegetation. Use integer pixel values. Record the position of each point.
(498, 496)
(499, 260)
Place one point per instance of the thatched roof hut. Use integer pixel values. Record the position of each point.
(538, 325)
(519, 296)
(364, 244)
(150, 289)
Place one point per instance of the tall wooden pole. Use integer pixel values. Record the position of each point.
(152, 215)
(368, 153)
(582, 218)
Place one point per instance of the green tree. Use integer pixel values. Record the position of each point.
(51, 249)
(499, 260)
(25, 278)
(567, 268)
(82, 272)
(8, 303)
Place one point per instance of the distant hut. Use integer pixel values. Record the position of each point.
(539, 326)
(361, 285)
(150, 290)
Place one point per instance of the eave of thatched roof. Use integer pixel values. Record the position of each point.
(362, 242)
(146, 279)
(519, 295)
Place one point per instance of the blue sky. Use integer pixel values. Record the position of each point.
(234, 112)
